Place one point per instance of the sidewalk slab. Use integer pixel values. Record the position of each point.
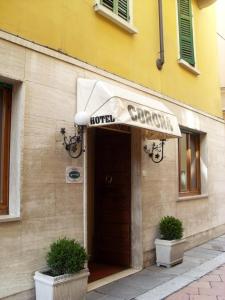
(98, 296)
(119, 289)
(147, 281)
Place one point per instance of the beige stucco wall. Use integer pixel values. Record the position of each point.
(50, 207)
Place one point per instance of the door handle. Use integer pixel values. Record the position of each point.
(108, 179)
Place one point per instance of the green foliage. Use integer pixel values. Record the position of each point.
(170, 228)
(66, 256)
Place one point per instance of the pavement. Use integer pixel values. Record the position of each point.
(208, 287)
(201, 276)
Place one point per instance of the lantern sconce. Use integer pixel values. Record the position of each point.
(155, 151)
(74, 144)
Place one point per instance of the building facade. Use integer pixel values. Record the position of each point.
(221, 48)
(59, 58)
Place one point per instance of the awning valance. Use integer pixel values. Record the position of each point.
(108, 104)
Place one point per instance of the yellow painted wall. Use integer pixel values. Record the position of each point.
(73, 27)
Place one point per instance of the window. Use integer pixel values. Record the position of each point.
(189, 163)
(5, 121)
(119, 7)
(186, 31)
(117, 11)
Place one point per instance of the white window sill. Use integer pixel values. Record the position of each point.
(188, 67)
(9, 218)
(195, 197)
(114, 18)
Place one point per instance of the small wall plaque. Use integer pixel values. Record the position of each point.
(74, 175)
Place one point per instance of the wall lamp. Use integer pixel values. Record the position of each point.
(155, 151)
(74, 144)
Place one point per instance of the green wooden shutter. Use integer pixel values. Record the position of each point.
(119, 7)
(123, 9)
(108, 3)
(186, 31)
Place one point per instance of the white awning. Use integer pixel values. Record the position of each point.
(108, 104)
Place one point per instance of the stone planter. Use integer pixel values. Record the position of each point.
(169, 253)
(68, 286)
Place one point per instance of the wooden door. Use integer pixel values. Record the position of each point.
(112, 242)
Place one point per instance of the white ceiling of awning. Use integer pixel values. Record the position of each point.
(108, 104)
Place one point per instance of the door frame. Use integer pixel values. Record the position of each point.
(136, 203)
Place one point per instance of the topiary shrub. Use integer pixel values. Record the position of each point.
(66, 256)
(170, 228)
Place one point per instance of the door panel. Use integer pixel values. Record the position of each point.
(112, 240)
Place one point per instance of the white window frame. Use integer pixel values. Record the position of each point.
(126, 25)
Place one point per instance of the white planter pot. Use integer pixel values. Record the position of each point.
(169, 253)
(68, 286)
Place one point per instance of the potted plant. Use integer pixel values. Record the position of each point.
(66, 276)
(170, 247)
